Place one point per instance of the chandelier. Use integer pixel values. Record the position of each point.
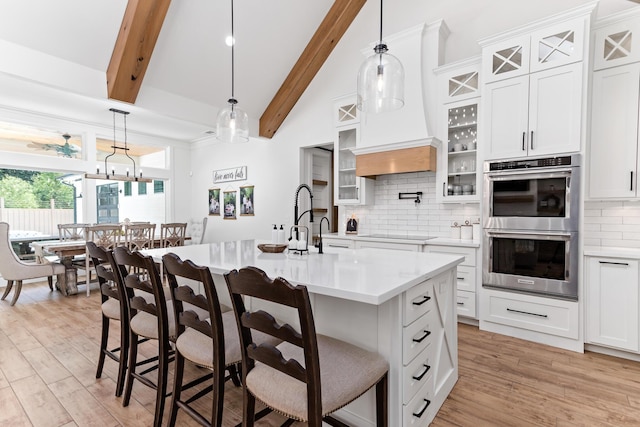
(137, 176)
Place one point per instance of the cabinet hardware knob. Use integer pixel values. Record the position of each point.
(426, 334)
(421, 410)
(425, 298)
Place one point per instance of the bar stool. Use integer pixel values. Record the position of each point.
(150, 316)
(211, 342)
(112, 308)
(308, 376)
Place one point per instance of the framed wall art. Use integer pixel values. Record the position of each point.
(229, 205)
(246, 200)
(214, 201)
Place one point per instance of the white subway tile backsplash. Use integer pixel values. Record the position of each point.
(394, 216)
(611, 224)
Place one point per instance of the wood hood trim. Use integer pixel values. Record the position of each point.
(413, 156)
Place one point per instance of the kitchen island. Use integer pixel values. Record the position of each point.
(401, 304)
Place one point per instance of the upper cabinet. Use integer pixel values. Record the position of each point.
(546, 48)
(348, 188)
(533, 94)
(613, 154)
(459, 168)
(536, 114)
(616, 41)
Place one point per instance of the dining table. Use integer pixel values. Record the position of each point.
(65, 250)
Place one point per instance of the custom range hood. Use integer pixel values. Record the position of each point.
(400, 141)
(400, 157)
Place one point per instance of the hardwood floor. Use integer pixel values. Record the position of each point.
(49, 348)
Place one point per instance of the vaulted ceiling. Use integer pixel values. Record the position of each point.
(189, 72)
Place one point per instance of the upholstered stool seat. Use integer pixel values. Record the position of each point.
(345, 372)
(111, 308)
(196, 346)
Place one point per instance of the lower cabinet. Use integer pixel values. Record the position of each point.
(467, 277)
(552, 317)
(612, 302)
(429, 357)
(361, 244)
(338, 243)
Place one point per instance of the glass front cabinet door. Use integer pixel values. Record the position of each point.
(349, 188)
(462, 168)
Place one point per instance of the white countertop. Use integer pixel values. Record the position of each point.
(371, 276)
(604, 251)
(413, 240)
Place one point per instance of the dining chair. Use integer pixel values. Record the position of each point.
(107, 236)
(14, 270)
(196, 230)
(210, 341)
(72, 231)
(308, 376)
(139, 236)
(113, 307)
(75, 231)
(172, 234)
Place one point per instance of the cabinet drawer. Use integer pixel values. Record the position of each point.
(417, 301)
(419, 411)
(546, 315)
(384, 245)
(469, 253)
(338, 243)
(418, 336)
(466, 303)
(466, 278)
(418, 373)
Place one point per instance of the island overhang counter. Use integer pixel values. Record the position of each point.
(400, 304)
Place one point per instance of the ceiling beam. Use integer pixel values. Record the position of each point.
(137, 37)
(331, 29)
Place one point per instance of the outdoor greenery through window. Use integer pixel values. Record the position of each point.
(127, 188)
(142, 188)
(35, 190)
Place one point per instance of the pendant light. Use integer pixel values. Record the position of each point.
(233, 122)
(125, 149)
(380, 80)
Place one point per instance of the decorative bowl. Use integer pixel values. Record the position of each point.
(272, 248)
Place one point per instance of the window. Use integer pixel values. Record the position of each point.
(158, 186)
(142, 188)
(127, 188)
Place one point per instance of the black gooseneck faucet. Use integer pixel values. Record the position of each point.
(319, 245)
(296, 218)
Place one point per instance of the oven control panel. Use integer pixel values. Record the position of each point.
(544, 162)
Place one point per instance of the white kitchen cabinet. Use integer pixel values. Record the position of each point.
(535, 114)
(616, 40)
(533, 92)
(361, 244)
(539, 46)
(466, 277)
(429, 361)
(459, 166)
(613, 146)
(612, 302)
(338, 243)
(349, 189)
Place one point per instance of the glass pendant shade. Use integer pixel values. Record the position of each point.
(380, 82)
(232, 124)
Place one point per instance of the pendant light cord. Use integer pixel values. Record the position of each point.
(233, 43)
(380, 21)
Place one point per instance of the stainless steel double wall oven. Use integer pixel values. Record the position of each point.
(531, 217)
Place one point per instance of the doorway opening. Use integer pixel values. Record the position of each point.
(317, 170)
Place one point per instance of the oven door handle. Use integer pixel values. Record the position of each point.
(540, 235)
(531, 174)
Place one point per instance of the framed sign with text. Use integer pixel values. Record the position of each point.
(231, 174)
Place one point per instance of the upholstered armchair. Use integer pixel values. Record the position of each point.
(15, 270)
